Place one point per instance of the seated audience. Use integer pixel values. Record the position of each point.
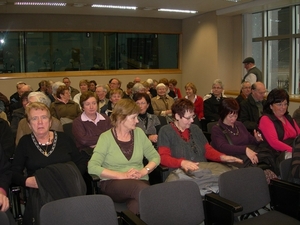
(7, 140)
(64, 108)
(46, 156)
(19, 114)
(245, 91)
(152, 89)
(232, 138)
(296, 116)
(252, 107)
(90, 124)
(278, 128)
(84, 87)
(165, 81)
(23, 127)
(14, 100)
(92, 85)
(184, 149)
(162, 103)
(128, 93)
(101, 91)
(182, 144)
(5, 180)
(118, 157)
(115, 96)
(56, 85)
(212, 101)
(191, 91)
(73, 91)
(149, 123)
(172, 86)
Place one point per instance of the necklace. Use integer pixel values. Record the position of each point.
(47, 143)
(236, 133)
(42, 150)
(144, 118)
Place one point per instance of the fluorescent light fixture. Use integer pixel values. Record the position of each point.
(233, 0)
(114, 6)
(178, 11)
(41, 3)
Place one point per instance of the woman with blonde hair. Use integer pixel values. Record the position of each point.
(191, 91)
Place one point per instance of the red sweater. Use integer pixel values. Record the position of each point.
(168, 160)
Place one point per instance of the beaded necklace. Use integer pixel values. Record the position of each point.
(230, 131)
(40, 146)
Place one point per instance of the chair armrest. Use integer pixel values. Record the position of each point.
(130, 218)
(285, 197)
(95, 178)
(222, 207)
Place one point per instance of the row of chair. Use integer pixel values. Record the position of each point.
(241, 191)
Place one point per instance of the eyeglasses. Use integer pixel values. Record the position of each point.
(189, 118)
(217, 88)
(141, 103)
(280, 104)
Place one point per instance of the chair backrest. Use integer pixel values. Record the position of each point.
(176, 202)
(86, 209)
(285, 169)
(68, 130)
(247, 187)
(4, 219)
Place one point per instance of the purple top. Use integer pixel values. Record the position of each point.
(239, 141)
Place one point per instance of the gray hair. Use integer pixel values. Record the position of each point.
(245, 82)
(137, 87)
(40, 97)
(56, 85)
(104, 87)
(219, 82)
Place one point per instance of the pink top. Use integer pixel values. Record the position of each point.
(268, 129)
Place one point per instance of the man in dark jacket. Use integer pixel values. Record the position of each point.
(252, 107)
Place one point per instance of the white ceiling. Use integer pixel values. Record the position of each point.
(147, 8)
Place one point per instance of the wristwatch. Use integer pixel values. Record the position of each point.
(148, 169)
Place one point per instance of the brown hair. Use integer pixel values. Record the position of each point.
(85, 96)
(181, 106)
(122, 109)
(61, 90)
(192, 86)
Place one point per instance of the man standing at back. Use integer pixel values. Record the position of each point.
(253, 73)
(252, 107)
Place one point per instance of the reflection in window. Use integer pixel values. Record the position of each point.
(256, 25)
(279, 22)
(278, 64)
(278, 49)
(257, 54)
(297, 67)
(74, 51)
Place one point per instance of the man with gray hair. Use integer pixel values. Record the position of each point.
(23, 127)
(101, 91)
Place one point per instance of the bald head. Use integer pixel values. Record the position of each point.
(258, 91)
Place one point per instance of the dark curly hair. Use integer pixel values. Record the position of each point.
(277, 95)
(228, 106)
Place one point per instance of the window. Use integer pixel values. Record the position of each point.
(275, 47)
(71, 51)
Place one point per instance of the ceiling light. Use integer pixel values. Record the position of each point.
(178, 10)
(114, 6)
(233, 0)
(79, 5)
(41, 3)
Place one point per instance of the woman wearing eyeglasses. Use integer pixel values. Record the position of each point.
(277, 126)
(182, 144)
